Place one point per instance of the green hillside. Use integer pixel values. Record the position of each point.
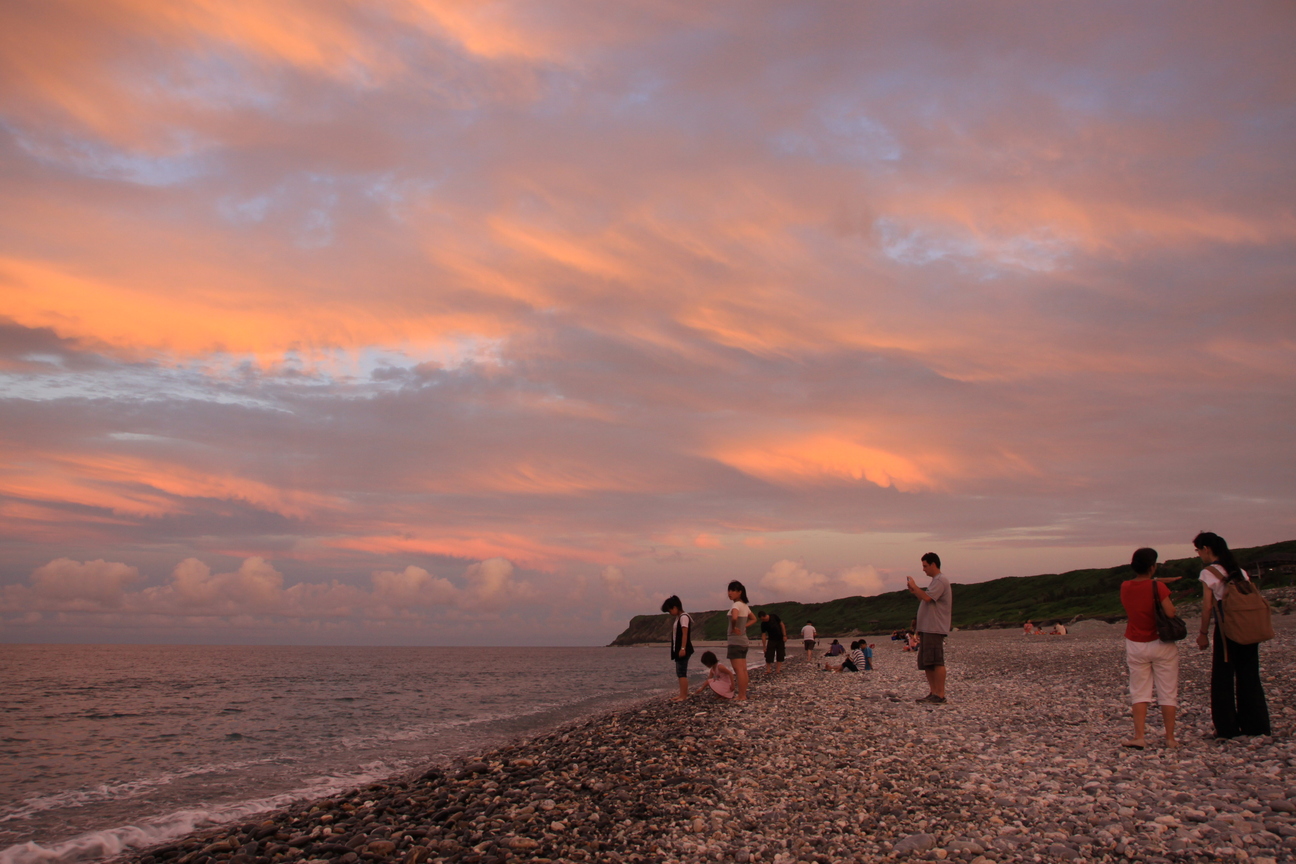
(1006, 602)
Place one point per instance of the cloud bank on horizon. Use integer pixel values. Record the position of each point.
(423, 320)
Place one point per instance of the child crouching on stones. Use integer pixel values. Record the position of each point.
(720, 677)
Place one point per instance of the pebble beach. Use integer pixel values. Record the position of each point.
(1023, 764)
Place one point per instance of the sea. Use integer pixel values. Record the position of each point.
(104, 748)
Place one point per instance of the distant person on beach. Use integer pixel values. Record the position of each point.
(1059, 629)
(835, 649)
(868, 657)
(1238, 705)
(720, 678)
(681, 643)
(773, 641)
(1153, 664)
(809, 638)
(1029, 628)
(740, 618)
(933, 625)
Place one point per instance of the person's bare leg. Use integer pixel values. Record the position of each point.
(778, 666)
(1140, 724)
(684, 690)
(936, 681)
(740, 672)
(1168, 717)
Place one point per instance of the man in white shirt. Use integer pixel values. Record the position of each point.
(809, 637)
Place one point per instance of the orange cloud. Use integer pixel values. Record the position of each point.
(819, 458)
(708, 541)
(150, 315)
(481, 545)
(138, 487)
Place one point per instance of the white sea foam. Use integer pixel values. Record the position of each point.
(151, 832)
(118, 791)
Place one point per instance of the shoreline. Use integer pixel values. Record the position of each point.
(1024, 764)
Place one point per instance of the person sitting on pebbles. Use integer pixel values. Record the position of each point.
(720, 678)
(847, 661)
(854, 661)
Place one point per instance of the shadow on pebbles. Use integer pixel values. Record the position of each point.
(1023, 764)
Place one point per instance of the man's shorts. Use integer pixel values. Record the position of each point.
(931, 650)
(809, 644)
(681, 667)
(737, 652)
(775, 651)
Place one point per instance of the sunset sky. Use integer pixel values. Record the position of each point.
(440, 322)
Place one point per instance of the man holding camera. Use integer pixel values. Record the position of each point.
(933, 626)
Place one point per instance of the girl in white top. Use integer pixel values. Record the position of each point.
(740, 618)
(1238, 705)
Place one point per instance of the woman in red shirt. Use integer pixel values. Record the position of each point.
(1153, 664)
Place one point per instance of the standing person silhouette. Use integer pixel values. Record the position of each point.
(740, 618)
(809, 638)
(773, 641)
(1238, 704)
(681, 642)
(933, 625)
(1153, 664)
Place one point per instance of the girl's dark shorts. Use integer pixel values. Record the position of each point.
(737, 652)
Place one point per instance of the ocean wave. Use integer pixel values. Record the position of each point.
(160, 829)
(119, 791)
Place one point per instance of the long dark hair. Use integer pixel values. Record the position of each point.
(1215, 543)
(738, 586)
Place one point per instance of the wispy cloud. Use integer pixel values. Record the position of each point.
(630, 298)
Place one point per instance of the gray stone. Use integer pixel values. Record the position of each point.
(915, 843)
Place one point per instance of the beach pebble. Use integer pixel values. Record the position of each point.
(920, 842)
(1023, 764)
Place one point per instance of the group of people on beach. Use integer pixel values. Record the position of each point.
(1237, 698)
(1238, 705)
(933, 625)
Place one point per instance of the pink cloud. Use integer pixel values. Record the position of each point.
(450, 305)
